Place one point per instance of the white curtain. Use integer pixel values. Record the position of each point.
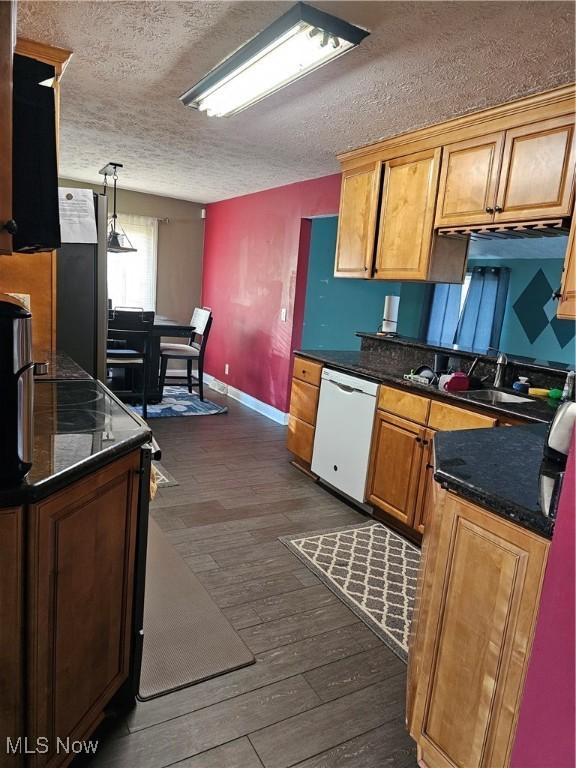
(132, 276)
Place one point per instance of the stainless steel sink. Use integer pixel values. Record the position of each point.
(496, 396)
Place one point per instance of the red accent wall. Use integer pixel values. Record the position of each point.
(545, 735)
(252, 246)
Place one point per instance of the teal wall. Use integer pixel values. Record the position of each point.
(336, 308)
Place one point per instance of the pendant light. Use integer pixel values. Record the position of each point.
(117, 240)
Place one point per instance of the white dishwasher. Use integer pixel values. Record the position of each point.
(344, 431)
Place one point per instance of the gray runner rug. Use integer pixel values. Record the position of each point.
(371, 569)
(187, 638)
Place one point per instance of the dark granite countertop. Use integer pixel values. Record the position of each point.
(61, 366)
(79, 426)
(374, 367)
(501, 470)
(458, 351)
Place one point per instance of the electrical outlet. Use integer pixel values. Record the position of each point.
(226, 369)
(283, 314)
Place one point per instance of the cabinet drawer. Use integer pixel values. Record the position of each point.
(307, 370)
(404, 404)
(448, 417)
(300, 438)
(304, 401)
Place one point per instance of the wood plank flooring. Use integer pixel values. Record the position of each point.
(325, 692)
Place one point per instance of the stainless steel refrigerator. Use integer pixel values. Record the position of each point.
(82, 298)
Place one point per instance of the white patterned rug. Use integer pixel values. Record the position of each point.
(371, 569)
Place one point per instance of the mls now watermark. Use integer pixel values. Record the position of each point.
(41, 746)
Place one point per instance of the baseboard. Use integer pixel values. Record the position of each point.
(275, 414)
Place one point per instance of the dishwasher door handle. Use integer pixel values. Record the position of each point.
(346, 387)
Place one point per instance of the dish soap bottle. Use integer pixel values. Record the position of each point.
(522, 385)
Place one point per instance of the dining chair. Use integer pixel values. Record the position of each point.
(129, 334)
(194, 351)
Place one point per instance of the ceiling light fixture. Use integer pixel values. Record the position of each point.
(294, 45)
(117, 240)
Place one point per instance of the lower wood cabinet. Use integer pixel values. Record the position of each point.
(304, 397)
(478, 596)
(395, 467)
(567, 302)
(11, 636)
(79, 587)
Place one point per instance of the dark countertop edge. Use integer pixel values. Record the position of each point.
(506, 510)
(492, 356)
(421, 389)
(27, 494)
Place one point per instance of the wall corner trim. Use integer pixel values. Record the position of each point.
(274, 414)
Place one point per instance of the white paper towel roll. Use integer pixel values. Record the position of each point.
(390, 318)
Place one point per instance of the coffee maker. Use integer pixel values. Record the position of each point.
(16, 391)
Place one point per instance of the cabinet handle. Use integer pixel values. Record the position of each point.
(10, 226)
(424, 442)
(365, 268)
(418, 439)
(498, 209)
(429, 466)
(557, 294)
(489, 210)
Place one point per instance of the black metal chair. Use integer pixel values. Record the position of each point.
(129, 334)
(192, 352)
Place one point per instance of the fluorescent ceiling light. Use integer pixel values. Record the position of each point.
(294, 45)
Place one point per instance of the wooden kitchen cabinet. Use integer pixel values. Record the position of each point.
(567, 302)
(306, 376)
(469, 181)
(425, 496)
(7, 27)
(359, 199)
(407, 247)
(11, 638)
(470, 647)
(79, 602)
(395, 466)
(407, 216)
(537, 171)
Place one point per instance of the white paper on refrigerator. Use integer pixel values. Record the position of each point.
(77, 215)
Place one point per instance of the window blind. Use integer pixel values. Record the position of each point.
(132, 276)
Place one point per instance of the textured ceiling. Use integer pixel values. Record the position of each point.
(422, 63)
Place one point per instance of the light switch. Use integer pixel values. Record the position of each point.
(283, 314)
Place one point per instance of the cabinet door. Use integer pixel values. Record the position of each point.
(567, 304)
(468, 181)
(300, 439)
(425, 496)
(82, 543)
(11, 657)
(482, 609)
(7, 22)
(395, 466)
(537, 171)
(357, 221)
(407, 217)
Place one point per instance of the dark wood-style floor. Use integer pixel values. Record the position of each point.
(325, 692)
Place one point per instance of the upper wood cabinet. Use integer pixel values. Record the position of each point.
(567, 304)
(359, 199)
(508, 164)
(469, 181)
(467, 663)
(7, 22)
(407, 216)
(521, 174)
(537, 171)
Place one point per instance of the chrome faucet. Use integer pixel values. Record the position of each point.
(501, 364)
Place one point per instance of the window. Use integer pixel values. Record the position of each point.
(469, 315)
(132, 276)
